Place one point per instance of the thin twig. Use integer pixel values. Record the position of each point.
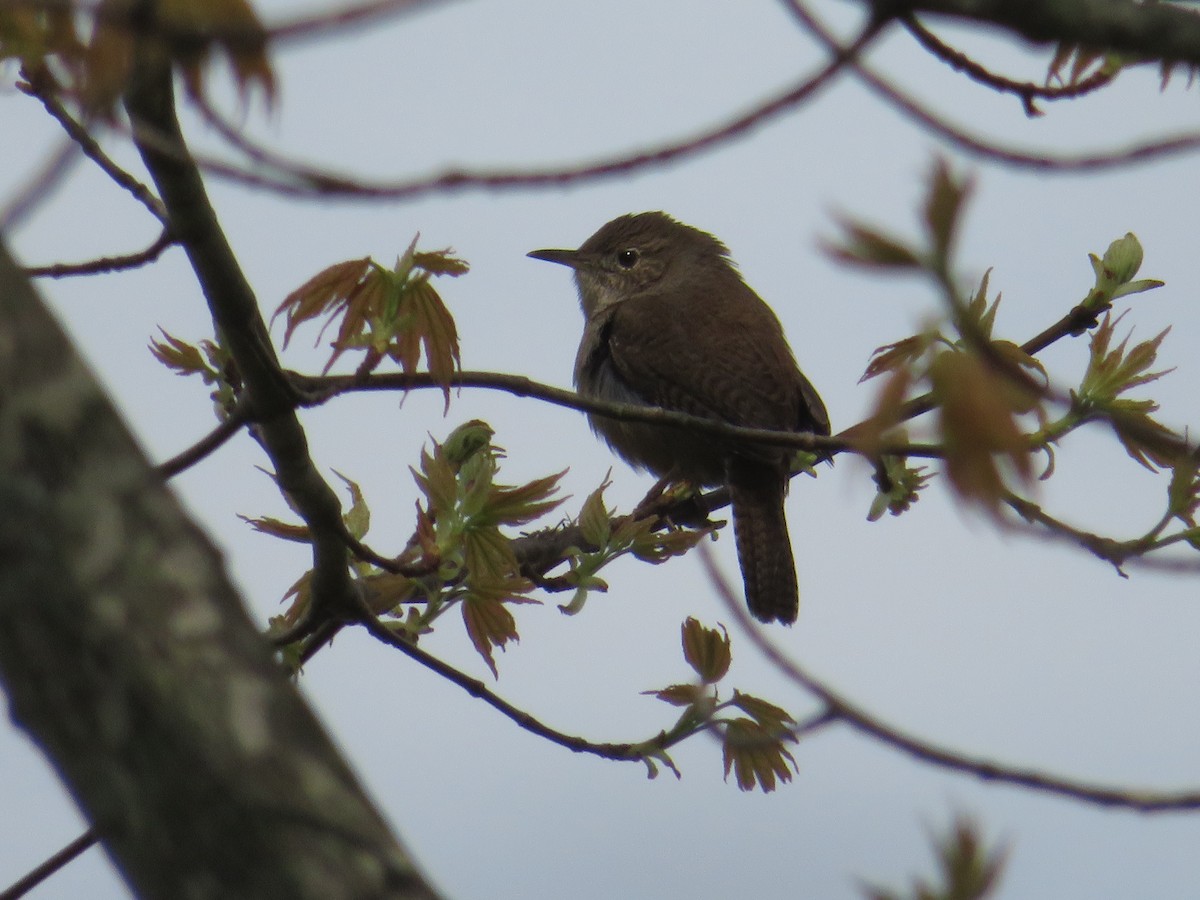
(39, 187)
(481, 691)
(36, 876)
(207, 445)
(105, 264)
(37, 88)
(1027, 91)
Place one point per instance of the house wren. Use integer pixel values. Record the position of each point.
(670, 323)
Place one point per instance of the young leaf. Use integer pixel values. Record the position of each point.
(864, 246)
(332, 289)
(658, 546)
(280, 529)
(183, 358)
(706, 650)
(518, 504)
(487, 618)
(976, 419)
(467, 440)
(679, 694)
(968, 870)
(489, 624)
(424, 322)
(358, 517)
(757, 755)
(386, 313)
(901, 354)
(595, 520)
(196, 29)
(943, 206)
(765, 714)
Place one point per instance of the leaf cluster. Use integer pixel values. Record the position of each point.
(754, 742)
(967, 869)
(93, 63)
(607, 537)
(984, 388)
(207, 359)
(391, 313)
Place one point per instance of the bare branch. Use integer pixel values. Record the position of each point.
(860, 720)
(105, 264)
(1027, 91)
(207, 445)
(1025, 159)
(294, 178)
(38, 87)
(478, 689)
(39, 187)
(1165, 31)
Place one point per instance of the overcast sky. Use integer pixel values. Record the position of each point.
(1022, 650)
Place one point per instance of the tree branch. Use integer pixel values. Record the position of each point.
(241, 330)
(39, 86)
(1163, 31)
(291, 177)
(105, 264)
(1027, 91)
(866, 723)
(479, 690)
(49, 866)
(1019, 158)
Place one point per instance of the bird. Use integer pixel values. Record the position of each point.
(670, 323)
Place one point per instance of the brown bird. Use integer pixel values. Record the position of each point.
(670, 323)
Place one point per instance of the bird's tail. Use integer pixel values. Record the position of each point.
(764, 548)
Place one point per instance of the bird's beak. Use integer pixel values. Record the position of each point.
(569, 258)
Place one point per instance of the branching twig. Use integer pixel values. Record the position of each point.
(1027, 91)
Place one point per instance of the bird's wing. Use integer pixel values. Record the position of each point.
(722, 361)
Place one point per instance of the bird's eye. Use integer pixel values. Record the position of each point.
(627, 259)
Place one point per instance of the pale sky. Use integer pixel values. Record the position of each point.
(1018, 649)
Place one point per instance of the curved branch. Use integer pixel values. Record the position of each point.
(479, 690)
(294, 178)
(207, 445)
(1021, 159)
(1153, 30)
(1027, 91)
(866, 723)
